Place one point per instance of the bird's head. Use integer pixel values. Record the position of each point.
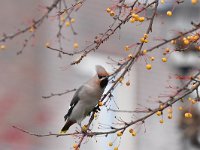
(102, 76)
(101, 72)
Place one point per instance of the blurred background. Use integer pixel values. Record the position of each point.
(38, 71)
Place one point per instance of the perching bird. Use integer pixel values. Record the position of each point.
(86, 98)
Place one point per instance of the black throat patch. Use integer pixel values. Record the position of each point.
(104, 83)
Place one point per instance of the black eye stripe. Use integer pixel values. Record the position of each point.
(100, 77)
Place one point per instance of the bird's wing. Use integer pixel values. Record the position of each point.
(73, 103)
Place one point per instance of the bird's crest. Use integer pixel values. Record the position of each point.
(101, 71)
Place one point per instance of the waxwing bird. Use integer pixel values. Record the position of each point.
(86, 98)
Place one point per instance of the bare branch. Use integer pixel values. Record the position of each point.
(58, 94)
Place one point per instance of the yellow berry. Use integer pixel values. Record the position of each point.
(144, 52)
(132, 20)
(110, 144)
(162, 1)
(195, 38)
(126, 48)
(134, 133)
(194, 101)
(169, 13)
(189, 98)
(100, 103)
(108, 10)
(131, 130)
(152, 58)
(148, 66)
(141, 19)
(146, 41)
(189, 37)
(188, 115)
(67, 24)
(116, 148)
(142, 40)
(72, 20)
(169, 116)
(119, 133)
(194, 2)
(75, 146)
(135, 16)
(161, 121)
(186, 42)
(158, 113)
(112, 13)
(76, 45)
(164, 59)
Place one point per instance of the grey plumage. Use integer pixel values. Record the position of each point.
(73, 103)
(86, 98)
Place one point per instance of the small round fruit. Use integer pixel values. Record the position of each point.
(119, 133)
(128, 83)
(134, 133)
(194, 2)
(116, 148)
(100, 103)
(169, 13)
(161, 121)
(141, 19)
(152, 58)
(148, 66)
(108, 10)
(67, 24)
(169, 116)
(132, 20)
(110, 144)
(188, 115)
(164, 59)
(112, 13)
(126, 48)
(75, 145)
(75, 45)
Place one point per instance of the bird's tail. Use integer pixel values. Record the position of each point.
(66, 126)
